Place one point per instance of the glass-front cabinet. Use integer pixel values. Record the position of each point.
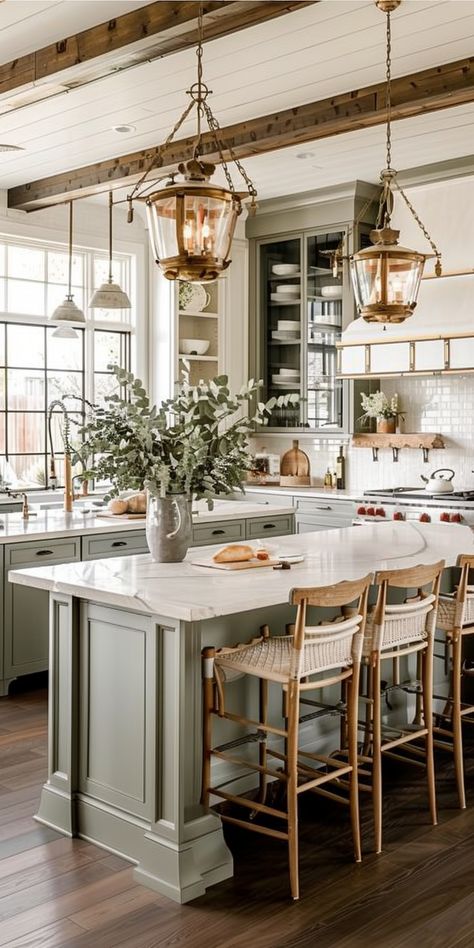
(303, 291)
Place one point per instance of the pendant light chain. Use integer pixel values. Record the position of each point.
(425, 232)
(388, 76)
(110, 236)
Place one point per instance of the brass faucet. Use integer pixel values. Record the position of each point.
(68, 491)
(26, 513)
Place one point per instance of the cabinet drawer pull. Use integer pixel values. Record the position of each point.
(327, 507)
(44, 552)
(269, 526)
(218, 533)
(119, 543)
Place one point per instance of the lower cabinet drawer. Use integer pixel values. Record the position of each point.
(219, 532)
(114, 544)
(26, 609)
(261, 527)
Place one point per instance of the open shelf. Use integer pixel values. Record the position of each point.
(197, 358)
(199, 315)
(415, 440)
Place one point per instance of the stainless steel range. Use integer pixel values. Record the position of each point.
(413, 503)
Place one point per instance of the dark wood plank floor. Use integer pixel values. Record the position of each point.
(418, 894)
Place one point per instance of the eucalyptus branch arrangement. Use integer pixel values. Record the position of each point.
(377, 405)
(194, 444)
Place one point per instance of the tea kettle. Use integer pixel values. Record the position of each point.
(439, 482)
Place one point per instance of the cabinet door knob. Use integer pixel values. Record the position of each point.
(119, 543)
(44, 552)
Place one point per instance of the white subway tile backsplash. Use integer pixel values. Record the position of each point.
(442, 405)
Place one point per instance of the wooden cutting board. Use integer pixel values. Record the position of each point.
(107, 515)
(244, 564)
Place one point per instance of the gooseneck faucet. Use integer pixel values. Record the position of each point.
(68, 487)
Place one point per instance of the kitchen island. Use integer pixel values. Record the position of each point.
(125, 706)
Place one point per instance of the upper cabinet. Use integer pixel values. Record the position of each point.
(300, 302)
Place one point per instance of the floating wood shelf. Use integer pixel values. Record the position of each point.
(423, 441)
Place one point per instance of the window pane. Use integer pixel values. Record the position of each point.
(25, 432)
(58, 266)
(56, 294)
(2, 258)
(104, 384)
(26, 471)
(2, 295)
(107, 347)
(26, 262)
(25, 298)
(2, 435)
(25, 389)
(101, 271)
(2, 393)
(2, 344)
(25, 346)
(64, 383)
(64, 353)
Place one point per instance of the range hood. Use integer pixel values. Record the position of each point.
(437, 339)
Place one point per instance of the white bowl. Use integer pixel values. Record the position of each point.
(332, 292)
(288, 289)
(285, 269)
(194, 346)
(290, 373)
(288, 325)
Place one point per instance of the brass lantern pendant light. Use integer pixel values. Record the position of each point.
(68, 311)
(386, 277)
(192, 222)
(110, 295)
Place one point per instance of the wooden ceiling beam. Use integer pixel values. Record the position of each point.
(439, 87)
(161, 28)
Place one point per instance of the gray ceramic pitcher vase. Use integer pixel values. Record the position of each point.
(168, 527)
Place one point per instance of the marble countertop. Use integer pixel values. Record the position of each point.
(51, 524)
(191, 593)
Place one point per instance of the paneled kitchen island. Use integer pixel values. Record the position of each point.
(125, 705)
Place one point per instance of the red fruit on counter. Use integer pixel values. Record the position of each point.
(371, 511)
(380, 512)
(425, 518)
(361, 510)
(456, 518)
(444, 517)
(398, 515)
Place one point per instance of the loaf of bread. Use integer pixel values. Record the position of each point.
(117, 506)
(136, 503)
(234, 553)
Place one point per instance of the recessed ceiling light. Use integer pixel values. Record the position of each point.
(306, 155)
(124, 129)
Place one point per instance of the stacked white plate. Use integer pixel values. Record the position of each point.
(285, 269)
(285, 297)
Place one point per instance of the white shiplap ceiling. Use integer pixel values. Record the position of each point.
(321, 50)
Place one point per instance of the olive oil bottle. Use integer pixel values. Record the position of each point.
(341, 469)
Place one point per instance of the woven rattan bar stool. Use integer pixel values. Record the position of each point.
(314, 657)
(393, 631)
(456, 620)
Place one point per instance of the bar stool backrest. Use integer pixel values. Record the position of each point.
(408, 622)
(464, 595)
(334, 644)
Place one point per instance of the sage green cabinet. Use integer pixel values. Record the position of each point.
(225, 531)
(98, 547)
(25, 612)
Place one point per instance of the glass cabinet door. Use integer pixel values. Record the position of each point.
(323, 405)
(281, 306)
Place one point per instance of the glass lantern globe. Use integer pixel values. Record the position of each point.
(192, 225)
(386, 278)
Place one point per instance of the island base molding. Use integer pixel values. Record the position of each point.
(181, 872)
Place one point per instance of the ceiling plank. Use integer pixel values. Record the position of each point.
(439, 87)
(172, 24)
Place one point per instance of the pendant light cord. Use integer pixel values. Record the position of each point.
(69, 282)
(111, 204)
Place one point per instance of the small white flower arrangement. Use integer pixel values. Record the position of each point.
(379, 406)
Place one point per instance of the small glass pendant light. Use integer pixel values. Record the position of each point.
(68, 311)
(110, 295)
(386, 277)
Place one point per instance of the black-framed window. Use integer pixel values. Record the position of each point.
(37, 367)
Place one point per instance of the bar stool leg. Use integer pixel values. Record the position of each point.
(377, 756)
(427, 687)
(263, 718)
(292, 787)
(352, 693)
(456, 717)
